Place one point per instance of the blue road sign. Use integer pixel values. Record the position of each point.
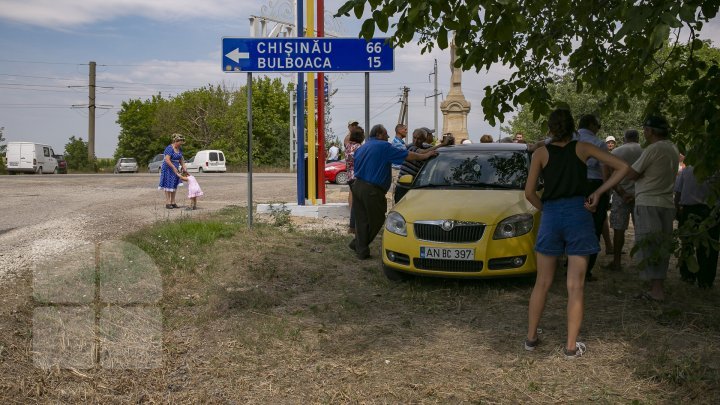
(307, 55)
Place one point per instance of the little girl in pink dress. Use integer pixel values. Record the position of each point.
(194, 190)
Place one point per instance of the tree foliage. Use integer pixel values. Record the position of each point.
(563, 90)
(3, 144)
(76, 154)
(211, 117)
(609, 46)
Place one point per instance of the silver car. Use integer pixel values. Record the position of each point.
(125, 165)
(156, 163)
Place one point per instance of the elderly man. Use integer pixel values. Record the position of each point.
(654, 174)
(610, 142)
(623, 196)
(373, 162)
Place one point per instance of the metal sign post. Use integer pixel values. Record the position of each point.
(300, 55)
(250, 129)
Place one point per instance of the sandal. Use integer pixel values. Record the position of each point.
(174, 205)
(169, 206)
(647, 297)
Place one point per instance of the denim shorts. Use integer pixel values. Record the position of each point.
(566, 227)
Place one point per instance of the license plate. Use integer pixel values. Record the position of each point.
(14, 164)
(427, 252)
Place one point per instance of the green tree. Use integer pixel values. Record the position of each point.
(76, 154)
(609, 46)
(3, 145)
(137, 137)
(562, 91)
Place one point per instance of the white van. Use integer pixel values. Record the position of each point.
(30, 157)
(207, 161)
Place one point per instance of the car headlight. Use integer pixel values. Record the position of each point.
(396, 224)
(514, 226)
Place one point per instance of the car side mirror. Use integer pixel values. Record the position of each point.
(406, 179)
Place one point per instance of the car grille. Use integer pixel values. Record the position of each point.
(448, 265)
(461, 232)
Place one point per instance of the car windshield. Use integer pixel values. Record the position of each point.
(475, 169)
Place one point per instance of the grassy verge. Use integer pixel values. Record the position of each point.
(275, 314)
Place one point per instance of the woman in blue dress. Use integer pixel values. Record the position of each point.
(170, 170)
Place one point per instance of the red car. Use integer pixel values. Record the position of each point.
(336, 172)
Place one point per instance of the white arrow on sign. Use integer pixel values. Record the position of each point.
(236, 55)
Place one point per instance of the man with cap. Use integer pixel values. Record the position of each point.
(654, 174)
(610, 142)
(372, 182)
(429, 137)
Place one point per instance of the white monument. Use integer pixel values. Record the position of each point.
(455, 108)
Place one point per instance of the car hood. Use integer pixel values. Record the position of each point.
(486, 206)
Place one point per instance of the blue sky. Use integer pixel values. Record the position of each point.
(144, 47)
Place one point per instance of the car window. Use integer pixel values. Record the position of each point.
(159, 157)
(213, 156)
(502, 169)
(46, 152)
(127, 160)
(222, 157)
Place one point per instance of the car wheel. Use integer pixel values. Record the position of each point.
(115, 171)
(341, 178)
(39, 170)
(200, 170)
(395, 275)
(55, 171)
(159, 169)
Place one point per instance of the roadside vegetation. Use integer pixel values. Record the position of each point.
(280, 314)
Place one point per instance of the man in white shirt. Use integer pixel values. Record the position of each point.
(654, 174)
(333, 154)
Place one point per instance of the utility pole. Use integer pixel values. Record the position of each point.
(435, 94)
(91, 114)
(403, 117)
(91, 106)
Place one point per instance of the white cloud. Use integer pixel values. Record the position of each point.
(68, 13)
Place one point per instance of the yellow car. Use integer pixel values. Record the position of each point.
(465, 215)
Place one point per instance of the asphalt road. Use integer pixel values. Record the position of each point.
(45, 215)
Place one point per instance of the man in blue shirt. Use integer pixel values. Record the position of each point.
(373, 162)
(588, 127)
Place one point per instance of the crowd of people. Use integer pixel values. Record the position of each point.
(585, 177)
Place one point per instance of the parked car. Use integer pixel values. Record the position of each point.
(336, 172)
(126, 165)
(61, 164)
(465, 215)
(155, 165)
(30, 157)
(207, 161)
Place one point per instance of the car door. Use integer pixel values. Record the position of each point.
(213, 158)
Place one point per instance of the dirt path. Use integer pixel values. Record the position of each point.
(44, 216)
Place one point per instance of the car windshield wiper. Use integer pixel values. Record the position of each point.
(485, 185)
(431, 185)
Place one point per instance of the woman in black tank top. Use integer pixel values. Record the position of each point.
(566, 226)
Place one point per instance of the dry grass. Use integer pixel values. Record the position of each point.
(278, 316)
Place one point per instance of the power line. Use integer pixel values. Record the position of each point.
(41, 62)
